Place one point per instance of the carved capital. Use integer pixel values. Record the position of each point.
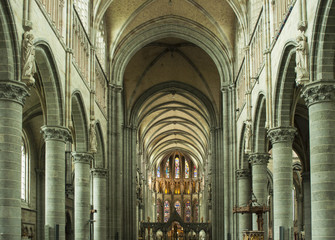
(13, 91)
(56, 133)
(99, 172)
(85, 158)
(316, 92)
(243, 173)
(282, 134)
(259, 158)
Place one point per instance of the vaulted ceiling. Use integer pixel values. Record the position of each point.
(176, 116)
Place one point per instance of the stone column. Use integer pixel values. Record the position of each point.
(55, 140)
(243, 181)
(82, 206)
(12, 97)
(306, 183)
(282, 139)
(320, 99)
(99, 203)
(259, 163)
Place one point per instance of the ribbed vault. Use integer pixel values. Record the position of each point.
(174, 120)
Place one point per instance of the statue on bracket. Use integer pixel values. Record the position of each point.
(247, 137)
(93, 138)
(28, 59)
(301, 68)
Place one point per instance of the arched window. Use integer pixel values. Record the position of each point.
(177, 207)
(195, 172)
(188, 211)
(187, 170)
(24, 169)
(158, 171)
(177, 167)
(166, 211)
(82, 7)
(101, 45)
(167, 169)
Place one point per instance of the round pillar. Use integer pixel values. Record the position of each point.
(243, 181)
(82, 206)
(320, 99)
(259, 163)
(12, 97)
(100, 203)
(282, 139)
(55, 139)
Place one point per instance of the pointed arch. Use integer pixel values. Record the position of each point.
(99, 157)
(323, 43)
(260, 132)
(50, 84)
(78, 115)
(285, 86)
(9, 44)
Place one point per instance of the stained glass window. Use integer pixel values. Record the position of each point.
(188, 211)
(167, 169)
(166, 211)
(187, 170)
(177, 167)
(178, 207)
(195, 172)
(158, 171)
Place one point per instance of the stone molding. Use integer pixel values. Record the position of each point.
(243, 173)
(56, 133)
(99, 172)
(320, 91)
(13, 91)
(85, 158)
(259, 158)
(282, 134)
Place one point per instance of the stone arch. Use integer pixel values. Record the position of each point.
(50, 84)
(99, 157)
(260, 132)
(9, 45)
(171, 26)
(213, 116)
(285, 86)
(78, 115)
(323, 43)
(243, 157)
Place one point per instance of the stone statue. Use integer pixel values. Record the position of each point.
(302, 60)
(247, 137)
(93, 138)
(28, 59)
(182, 188)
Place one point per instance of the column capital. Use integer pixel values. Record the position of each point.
(259, 158)
(85, 158)
(243, 173)
(57, 133)
(320, 91)
(282, 134)
(99, 172)
(13, 91)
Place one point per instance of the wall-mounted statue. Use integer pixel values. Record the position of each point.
(28, 59)
(93, 138)
(247, 137)
(302, 68)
